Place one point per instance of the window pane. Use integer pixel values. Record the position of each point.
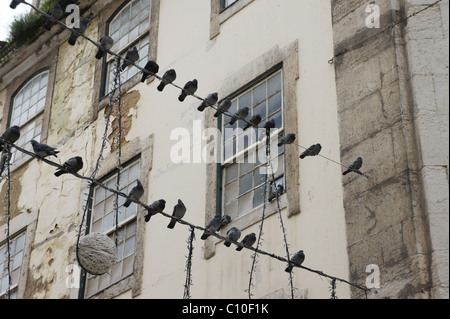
(231, 173)
(259, 93)
(245, 183)
(274, 84)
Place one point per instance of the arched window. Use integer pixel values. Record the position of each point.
(129, 27)
(27, 111)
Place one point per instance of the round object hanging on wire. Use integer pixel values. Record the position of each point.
(97, 253)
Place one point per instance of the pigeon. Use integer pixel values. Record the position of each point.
(269, 125)
(189, 88)
(240, 115)
(15, 3)
(11, 135)
(167, 78)
(135, 193)
(248, 240)
(356, 165)
(72, 165)
(178, 212)
(56, 12)
(288, 139)
(83, 23)
(106, 43)
(225, 220)
(211, 227)
(254, 121)
(313, 150)
(223, 107)
(152, 67)
(233, 234)
(155, 208)
(131, 57)
(43, 150)
(210, 100)
(277, 192)
(297, 260)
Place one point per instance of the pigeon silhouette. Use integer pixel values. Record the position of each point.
(167, 78)
(131, 57)
(152, 67)
(241, 114)
(43, 150)
(223, 107)
(106, 43)
(135, 193)
(210, 100)
(155, 208)
(248, 240)
(254, 122)
(56, 12)
(178, 212)
(189, 88)
(297, 259)
(313, 150)
(83, 23)
(72, 165)
(211, 227)
(233, 234)
(355, 166)
(11, 135)
(288, 139)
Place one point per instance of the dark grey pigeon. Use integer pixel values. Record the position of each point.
(151, 67)
(269, 125)
(43, 150)
(240, 115)
(167, 78)
(15, 3)
(135, 193)
(223, 107)
(72, 165)
(83, 23)
(279, 189)
(189, 88)
(248, 240)
(313, 150)
(210, 100)
(254, 122)
(288, 139)
(297, 260)
(225, 220)
(178, 212)
(212, 226)
(155, 208)
(233, 234)
(11, 135)
(106, 42)
(356, 165)
(131, 57)
(56, 12)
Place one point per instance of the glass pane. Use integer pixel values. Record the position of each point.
(245, 100)
(128, 266)
(258, 198)
(275, 103)
(231, 192)
(131, 229)
(231, 173)
(245, 183)
(259, 93)
(245, 167)
(129, 246)
(274, 84)
(258, 178)
(17, 260)
(246, 203)
(230, 148)
(261, 110)
(108, 222)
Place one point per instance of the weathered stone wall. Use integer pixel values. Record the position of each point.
(388, 215)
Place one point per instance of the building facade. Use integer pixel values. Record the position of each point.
(319, 69)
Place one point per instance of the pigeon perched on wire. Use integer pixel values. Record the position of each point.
(255, 120)
(56, 12)
(233, 234)
(189, 88)
(210, 100)
(43, 150)
(167, 78)
(313, 150)
(274, 193)
(106, 43)
(15, 3)
(225, 220)
(355, 166)
(297, 259)
(178, 212)
(223, 107)
(211, 227)
(131, 57)
(269, 125)
(241, 114)
(11, 135)
(151, 67)
(82, 26)
(135, 193)
(72, 165)
(288, 139)
(248, 240)
(156, 207)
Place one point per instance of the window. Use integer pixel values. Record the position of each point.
(102, 221)
(128, 27)
(17, 245)
(28, 112)
(245, 163)
(226, 3)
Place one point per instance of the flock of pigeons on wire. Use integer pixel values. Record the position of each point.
(75, 164)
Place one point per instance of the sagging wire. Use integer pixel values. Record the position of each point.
(188, 281)
(333, 289)
(180, 221)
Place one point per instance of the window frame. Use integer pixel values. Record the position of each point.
(273, 59)
(220, 14)
(132, 150)
(100, 99)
